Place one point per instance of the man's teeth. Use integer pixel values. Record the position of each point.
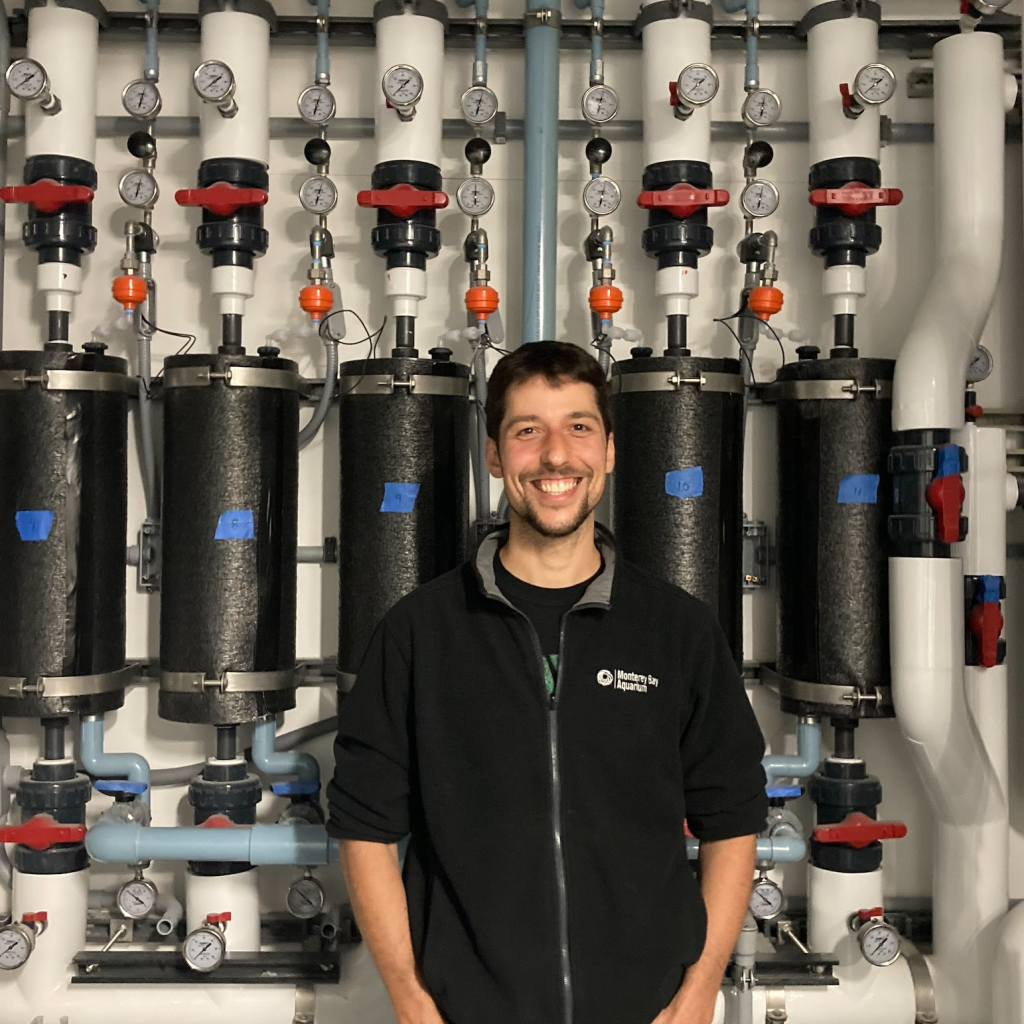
(557, 486)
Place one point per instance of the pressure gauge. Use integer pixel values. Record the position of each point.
(766, 900)
(205, 948)
(318, 194)
(475, 196)
(874, 84)
(403, 87)
(601, 196)
(761, 108)
(137, 898)
(697, 85)
(16, 944)
(479, 104)
(214, 82)
(879, 942)
(138, 188)
(26, 79)
(980, 365)
(316, 104)
(759, 198)
(600, 104)
(305, 898)
(141, 99)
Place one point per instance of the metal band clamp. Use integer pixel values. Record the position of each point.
(69, 380)
(925, 1011)
(417, 384)
(233, 376)
(230, 682)
(836, 9)
(670, 9)
(724, 383)
(20, 688)
(775, 1005)
(825, 693)
(826, 390)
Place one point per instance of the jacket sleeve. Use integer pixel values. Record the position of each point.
(368, 798)
(721, 748)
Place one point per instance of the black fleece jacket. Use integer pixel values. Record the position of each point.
(546, 873)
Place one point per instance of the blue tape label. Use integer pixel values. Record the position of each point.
(399, 497)
(685, 483)
(34, 524)
(859, 489)
(235, 524)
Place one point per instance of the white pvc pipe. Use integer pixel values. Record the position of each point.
(1008, 971)
(970, 106)
(668, 47)
(65, 42)
(239, 894)
(832, 897)
(413, 39)
(242, 41)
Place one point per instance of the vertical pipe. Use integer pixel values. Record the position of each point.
(540, 190)
(5, 104)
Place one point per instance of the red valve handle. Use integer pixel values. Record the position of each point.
(844, 91)
(858, 830)
(41, 832)
(855, 199)
(986, 623)
(946, 494)
(221, 918)
(218, 821)
(673, 94)
(868, 915)
(683, 200)
(221, 198)
(402, 200)
(47, 195)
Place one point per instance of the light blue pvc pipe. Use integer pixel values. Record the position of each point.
(305, 767)
(302, 844)
(808, 757)
(596, 39)
(540, 191)
(151, 61)
(781, 850)
(480, 47)
(133, 767)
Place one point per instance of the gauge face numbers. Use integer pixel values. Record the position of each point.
(697, 85)
(600, 104)
(141, 99)
(204, 949)
(138, 189)
(305, 898)
(403, 86)
(316, 104)
(479, 104)
(766, 900)
(601, 196)
(980, 365)
(759, 198)
(16, 945)
(136, 899)
(213, 81)
(318, 194)
(475, 197)
(874, 84)
(26, 79)
(761, 108)
(880, 944)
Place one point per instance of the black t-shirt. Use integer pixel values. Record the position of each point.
(544, 607)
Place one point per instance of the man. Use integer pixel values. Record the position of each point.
(540, 722)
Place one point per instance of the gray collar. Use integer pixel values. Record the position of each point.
(599, 593)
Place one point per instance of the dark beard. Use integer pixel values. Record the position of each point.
(530, 517)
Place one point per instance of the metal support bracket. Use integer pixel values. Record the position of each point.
(150, 556)
(756, 554)
(230, 682)
(925, 1011)
(305, 1005)
(775, 1006)
(727, 383)
(19, 687)
(545, 16)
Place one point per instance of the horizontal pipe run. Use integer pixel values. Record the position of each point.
(281, 762)
(778, 850)
(806, 761)
(133, 767)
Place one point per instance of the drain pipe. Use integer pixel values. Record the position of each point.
(958, 758)
(133, 767)
(808, 757)
(304, 767)
(542, 27)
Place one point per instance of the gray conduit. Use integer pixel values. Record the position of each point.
(310, 430)
(145, 323)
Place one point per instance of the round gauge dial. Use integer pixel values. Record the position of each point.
(136, 899)
(759, 198)
(980, 365)
(305, 898)
(26, 79)
(697, 84)
(213, 81)
(316, 104)
(874, 84)
(761, 108)
(475, 197)
(880, 943)
(16, 945)
(204, 949)
(141, 99)
(402, 85)
(601, 196)
(479, 104)
(139, 189)
(766, 900)
(318, 194)
(600, 104)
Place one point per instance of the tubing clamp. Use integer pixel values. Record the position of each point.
(546, 16)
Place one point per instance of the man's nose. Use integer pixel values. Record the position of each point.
(556, 450)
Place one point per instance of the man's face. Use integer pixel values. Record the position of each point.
(553, 454)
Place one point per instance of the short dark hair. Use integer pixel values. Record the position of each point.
(558, 363)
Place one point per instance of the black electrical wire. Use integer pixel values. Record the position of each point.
(741, 315)
(190, 340)
(368, 337)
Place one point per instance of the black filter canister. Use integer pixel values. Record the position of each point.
(63, 523)
(678, 487)
(834, 503)
(230, 530)
(404, 450)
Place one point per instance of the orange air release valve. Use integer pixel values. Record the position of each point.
(481, 302)
(764, 302)
(129, 291)
(316, 300)
(606, 300)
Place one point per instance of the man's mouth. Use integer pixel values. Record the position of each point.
(557, 485)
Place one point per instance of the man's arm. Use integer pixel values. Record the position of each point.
(378, 899)
(726, 870)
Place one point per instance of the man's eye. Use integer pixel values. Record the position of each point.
(525, 431)
(580, 427)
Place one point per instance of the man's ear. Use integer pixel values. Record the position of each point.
(609, 455)
(493, 459)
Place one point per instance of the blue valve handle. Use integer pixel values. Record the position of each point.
(295, 788)
(783, 792)
(120, 786)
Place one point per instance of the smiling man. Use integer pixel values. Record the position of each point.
(540, 722)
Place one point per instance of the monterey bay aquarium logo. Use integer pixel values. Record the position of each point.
(620, 679)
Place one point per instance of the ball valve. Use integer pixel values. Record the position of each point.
(683, 200)
(402, 200)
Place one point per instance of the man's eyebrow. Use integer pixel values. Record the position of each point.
(583, 416)
(521, 419)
